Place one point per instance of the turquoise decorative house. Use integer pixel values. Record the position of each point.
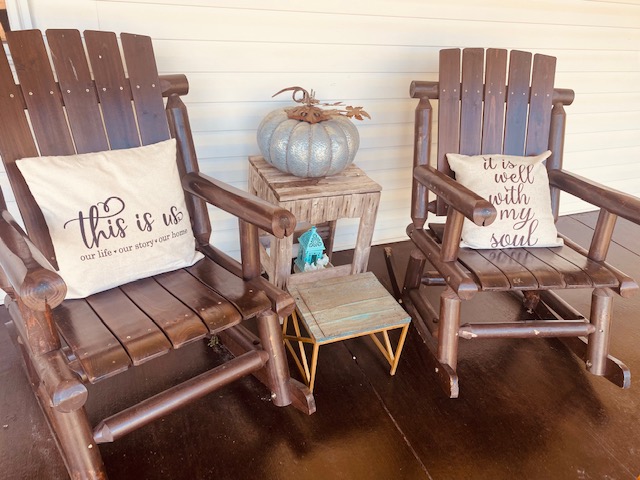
(311, 249)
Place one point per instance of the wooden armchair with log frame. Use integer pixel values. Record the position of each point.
(48, 124)
(501, 122)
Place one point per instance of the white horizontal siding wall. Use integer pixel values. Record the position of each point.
(237, 53)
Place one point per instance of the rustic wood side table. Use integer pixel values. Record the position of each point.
(350, 194)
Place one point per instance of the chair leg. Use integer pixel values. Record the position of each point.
(277, 367)
(598, 346)
(71, 430)
(391, 271)
(75, 441)
(415, 267)
(608, 366)
(448, 328)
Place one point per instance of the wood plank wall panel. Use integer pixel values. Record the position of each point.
(237, 53)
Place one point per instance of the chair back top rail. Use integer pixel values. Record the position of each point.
(76, 97)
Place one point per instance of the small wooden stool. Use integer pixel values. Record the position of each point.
(339, 308)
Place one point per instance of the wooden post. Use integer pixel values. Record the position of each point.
(602, 235)
(281, 255)
(75, 438)
(180, 129)
(365, 233)
(421, 154)
(413, 276)
(448, 328)
(556, 145)
(249, 250)
(451, 238)
(277, 368)
(598, 347)
(38, 328)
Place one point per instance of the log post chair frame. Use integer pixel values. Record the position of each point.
(489, 109)
(78, 112)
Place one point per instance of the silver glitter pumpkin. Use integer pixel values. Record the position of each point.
(308, 149)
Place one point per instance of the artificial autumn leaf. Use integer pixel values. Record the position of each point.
(356, 112)
(311, 112)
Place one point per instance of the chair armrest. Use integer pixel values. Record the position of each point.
(617, 202)
(27, 271)
(460, 198)
(270, 218)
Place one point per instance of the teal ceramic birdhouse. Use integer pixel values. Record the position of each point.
(311, 249)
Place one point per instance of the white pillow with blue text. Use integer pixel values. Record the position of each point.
(113, 216)
(518, 187)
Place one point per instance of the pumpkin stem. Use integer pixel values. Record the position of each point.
(311, 113)
(307, 98)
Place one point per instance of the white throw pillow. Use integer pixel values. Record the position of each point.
(114, 216)
(518, 187)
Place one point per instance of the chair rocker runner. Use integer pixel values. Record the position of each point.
(487, 110)
(68, 343)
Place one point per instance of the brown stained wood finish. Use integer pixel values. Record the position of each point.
(487, 106)
(543, 417)
(78, 90)
(180, 324)
(114, 90)
(66, 343)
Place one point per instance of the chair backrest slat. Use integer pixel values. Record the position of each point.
(16, 141)
(495, 93)
(517, 103)
(41, 93)
(448, 107)
(145, 85)
(540, 104)
(78, 90)
(114, 91)
(471, 103)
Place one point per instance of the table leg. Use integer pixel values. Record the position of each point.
(281, 254)
(365, 234)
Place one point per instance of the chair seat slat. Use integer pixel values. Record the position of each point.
(600, 275)
(487, 275)
(179, 323)
(247, 300)
(99, 353)
(142, 339)
(520, 278)
(215, 311)
(574, 277)
(546, 276)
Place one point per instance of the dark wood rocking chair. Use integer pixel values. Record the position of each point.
(489, 109)
(69, 343)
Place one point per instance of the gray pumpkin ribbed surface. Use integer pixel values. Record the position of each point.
(307, 150)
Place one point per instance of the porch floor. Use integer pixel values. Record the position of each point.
(527, 408)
